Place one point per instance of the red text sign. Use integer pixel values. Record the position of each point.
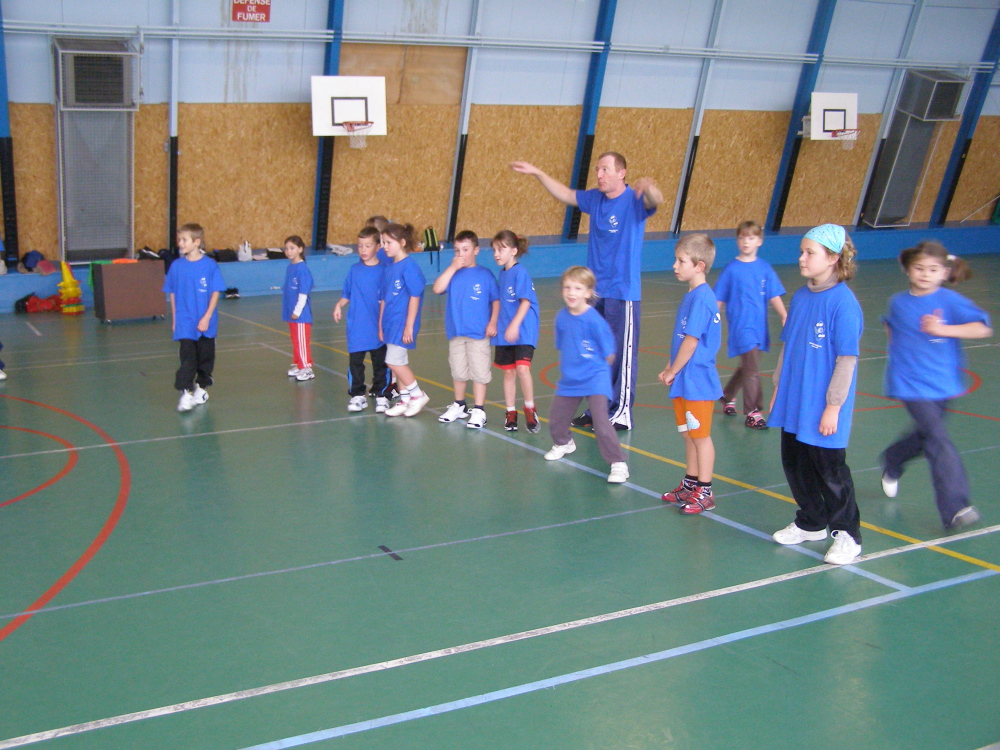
(255, 12)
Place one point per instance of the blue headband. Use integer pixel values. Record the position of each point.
(830, 236)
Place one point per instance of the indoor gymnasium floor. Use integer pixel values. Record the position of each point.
(271, 571)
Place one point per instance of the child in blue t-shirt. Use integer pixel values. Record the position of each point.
(296, 309)
(470, 320)
(194, 284)
(363, 289)
(586, 348)
(691, 374)
(925, 326)
(813, 400)
(517, 328)
(402, 297)
(746, 286)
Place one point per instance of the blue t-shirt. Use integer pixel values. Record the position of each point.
(614, 246)
(821, 326)
(921, 367)
(516, 285)
(298, 281)
(363, 287)
(471, 294)
(584, 342)
(192, 284)
(400, 281)
(698, 316)
(745, 289)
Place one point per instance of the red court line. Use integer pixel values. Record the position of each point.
(121, 501)
(70, 462)
(544, 375)
(970, 414)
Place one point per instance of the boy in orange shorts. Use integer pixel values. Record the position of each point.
(691, 374)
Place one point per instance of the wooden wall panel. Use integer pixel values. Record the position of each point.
(493, 196)
(246, 172)
(33, 131)
(980, 180)
(738, 157)
(934, 167)
(828, 179)
(653, 142)
(413, 75)
(152, 175)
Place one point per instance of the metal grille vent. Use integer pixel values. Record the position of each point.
(96, 74)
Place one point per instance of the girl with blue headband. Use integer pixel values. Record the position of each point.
(813, 399)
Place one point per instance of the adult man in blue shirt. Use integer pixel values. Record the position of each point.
(618, 216)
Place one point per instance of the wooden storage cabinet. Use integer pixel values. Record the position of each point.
(123, 291)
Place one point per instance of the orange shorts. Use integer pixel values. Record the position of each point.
(694, 417)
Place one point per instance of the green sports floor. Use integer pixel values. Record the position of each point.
(270, 571)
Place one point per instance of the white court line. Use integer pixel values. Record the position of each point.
(33, 329)
(103, 360)
(465, 648)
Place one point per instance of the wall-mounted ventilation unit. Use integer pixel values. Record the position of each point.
(97, 74)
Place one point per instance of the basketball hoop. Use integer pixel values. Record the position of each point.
(847, 137)
(357, 130)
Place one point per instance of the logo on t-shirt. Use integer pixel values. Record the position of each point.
(819, 333)
(203, 284)
(397, 286)
(477, 290)
(510, 293)
(717, 318)
(586, 349)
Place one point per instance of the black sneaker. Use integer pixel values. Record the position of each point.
(620, 427)
(584, 420)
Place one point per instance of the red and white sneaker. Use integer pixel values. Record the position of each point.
(676, 496)
(698, 501)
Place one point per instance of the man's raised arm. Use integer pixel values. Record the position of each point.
(556, 189)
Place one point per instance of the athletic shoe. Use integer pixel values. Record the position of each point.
(398, 410)
(558, 451)
(620, 427)
(187, 401)
(453, 412)
(477, 419)
(792, 534)
(293, 371)
(965, 517)
(200, 395)
(511, 424)
(584, 420)
(306, 373)
(416, 405)
(844, 549)
(381, 404)
(358, 403)
(3, 375)
(889, 486)
(676, 496)
(729, 408)
(531, 420)
(619, 472)
(698, 500)
(755, 421)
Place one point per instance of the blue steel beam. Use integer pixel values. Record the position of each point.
(11, 251)
(591, 106)
(324, 157)
(800, 108)
(970, 118)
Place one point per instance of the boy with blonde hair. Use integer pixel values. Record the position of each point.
(691, 375)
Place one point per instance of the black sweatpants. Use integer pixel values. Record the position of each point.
(821, 485)
(197, 363)
(381, 380)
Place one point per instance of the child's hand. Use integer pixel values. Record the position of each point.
(294, 316)
(828, 422)
(774, 397)
(408, 335)
(381, 336)
(513, 333)
(336, 314)
(933, 325)
(666, 377)
(458, 262)
(204, 322)
(491, 330)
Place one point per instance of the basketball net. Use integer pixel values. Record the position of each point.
(846, 137)
(358, 132)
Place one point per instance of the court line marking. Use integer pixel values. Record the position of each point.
(71, 461)
(115, 360)
(523, 635)
(604, 669)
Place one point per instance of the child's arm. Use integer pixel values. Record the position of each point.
(932, 325)
(173, 313)
(206, 319)
(441, 282)
(513, 332)
(381, 309)
(340, 306)
(684, 354)
(300, 305)
(491, 327)
(776, 377)
(411, 318)
(779, 307)
(837, 393)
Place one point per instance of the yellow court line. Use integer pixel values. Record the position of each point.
(664, 459)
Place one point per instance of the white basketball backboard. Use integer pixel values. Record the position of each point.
(340, 99)
(830, 112)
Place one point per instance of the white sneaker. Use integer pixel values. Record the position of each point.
(844, 549)
(358, 403)
(890, 486)
(187, 401)
(619, 472)
(398, 410)
(306, 373)
(477, 419)
(416, 405)
(792, 534)
(293, 371)
(453, 412)
(558, 451)
(3, 375)
(200, 395)
(381, 404)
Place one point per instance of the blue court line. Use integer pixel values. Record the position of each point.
(584, 674)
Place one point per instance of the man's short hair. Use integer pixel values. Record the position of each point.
(619, 159)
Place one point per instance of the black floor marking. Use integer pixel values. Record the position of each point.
(389, 552)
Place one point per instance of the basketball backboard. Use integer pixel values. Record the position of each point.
(340, 99)
(832, 112)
